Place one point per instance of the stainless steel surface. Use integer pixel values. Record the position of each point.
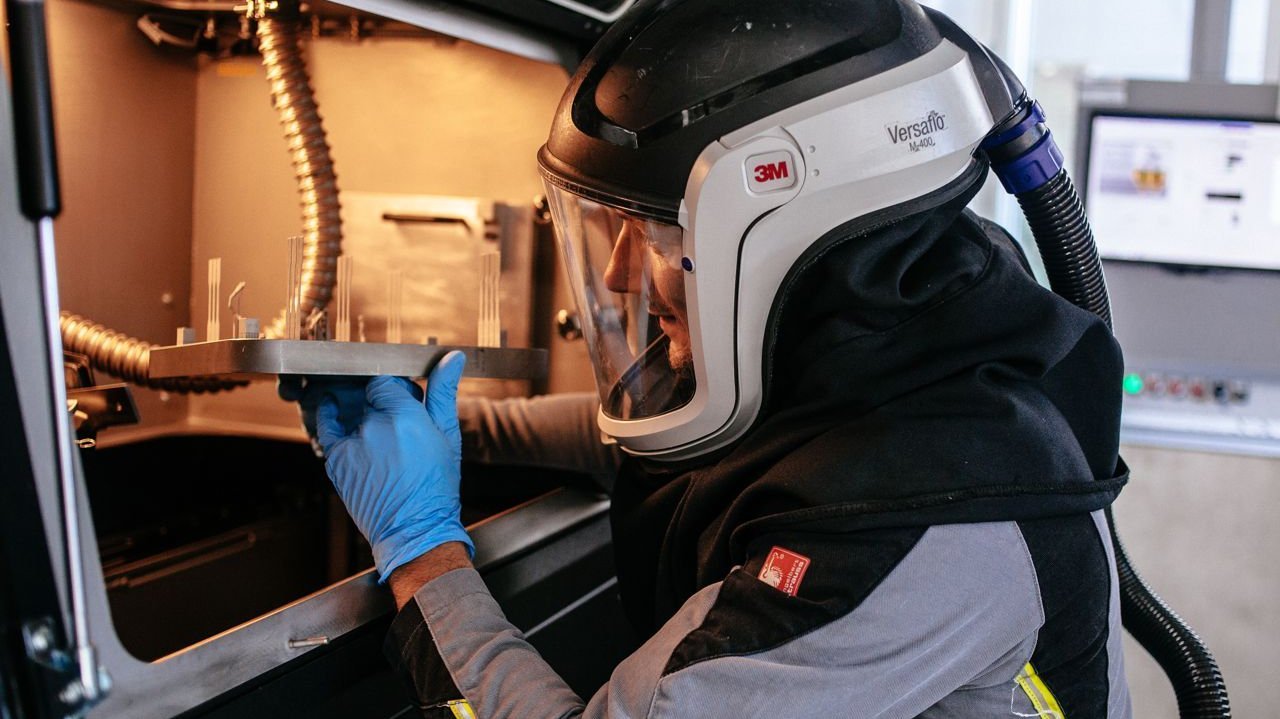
(194, 675)
(67, 489)
(357, 359)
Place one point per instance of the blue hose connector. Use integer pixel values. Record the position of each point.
(1024, 155)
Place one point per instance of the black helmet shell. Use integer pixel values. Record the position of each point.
(673, 76)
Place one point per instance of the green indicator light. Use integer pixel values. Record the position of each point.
(1133, 384)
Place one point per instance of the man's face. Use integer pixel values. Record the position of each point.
(649, 252)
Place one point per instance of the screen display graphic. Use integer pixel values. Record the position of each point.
(1185, 191)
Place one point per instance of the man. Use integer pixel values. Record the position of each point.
(866, 454)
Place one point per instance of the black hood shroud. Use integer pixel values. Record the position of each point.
(916, 374)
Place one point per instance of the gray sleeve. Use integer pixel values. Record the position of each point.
(500, 675)
(554, 431)
(958, 614)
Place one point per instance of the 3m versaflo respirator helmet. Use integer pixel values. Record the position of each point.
(701, 150)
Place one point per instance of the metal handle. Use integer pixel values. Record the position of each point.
(33, 110)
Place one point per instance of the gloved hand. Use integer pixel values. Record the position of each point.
(398, 471)
(308, 391)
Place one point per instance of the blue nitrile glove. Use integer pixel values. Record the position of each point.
(308, 391)
(398, 471)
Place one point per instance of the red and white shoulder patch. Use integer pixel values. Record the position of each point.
(784, 570)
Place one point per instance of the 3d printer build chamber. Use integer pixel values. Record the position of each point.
(224, 576)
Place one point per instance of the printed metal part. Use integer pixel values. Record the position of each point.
(213, 324)
(342, 325)
(233, 299)
(395, 298)
(293, 291)
(352, 359)
(489, 329)
(247, 328)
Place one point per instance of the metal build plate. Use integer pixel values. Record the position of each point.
(246, 357)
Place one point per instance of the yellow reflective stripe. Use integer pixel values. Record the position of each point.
(1045, 703)
(461, 709)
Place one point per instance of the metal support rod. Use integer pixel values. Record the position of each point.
(40, 198)
(85, 655)
(1210, 32)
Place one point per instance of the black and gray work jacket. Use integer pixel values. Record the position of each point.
(914, 527)
(987, 619)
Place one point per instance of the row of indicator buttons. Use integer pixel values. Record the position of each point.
(1193, 388)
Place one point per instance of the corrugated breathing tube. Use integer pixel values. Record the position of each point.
(1029, 165)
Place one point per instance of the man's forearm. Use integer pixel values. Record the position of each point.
(407, 579)
(554, 431)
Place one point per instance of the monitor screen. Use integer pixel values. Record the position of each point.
(1185, 191)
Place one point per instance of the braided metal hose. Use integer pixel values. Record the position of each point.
(128, 358)
(292, 96)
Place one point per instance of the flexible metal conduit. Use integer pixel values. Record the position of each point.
(294, 100)
(128, 357)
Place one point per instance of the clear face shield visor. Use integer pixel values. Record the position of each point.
(626, 276)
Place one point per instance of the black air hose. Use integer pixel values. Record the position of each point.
(1056, 216)
(1176, 647)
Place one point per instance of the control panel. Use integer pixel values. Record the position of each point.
(1198, 409)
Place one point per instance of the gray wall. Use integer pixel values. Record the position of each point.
(1201, 529)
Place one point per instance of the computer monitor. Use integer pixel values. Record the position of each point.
(1181, 190)
(1182, 185)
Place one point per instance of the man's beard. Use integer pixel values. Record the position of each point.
(681, 359)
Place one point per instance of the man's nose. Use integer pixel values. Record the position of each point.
(618, 275)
